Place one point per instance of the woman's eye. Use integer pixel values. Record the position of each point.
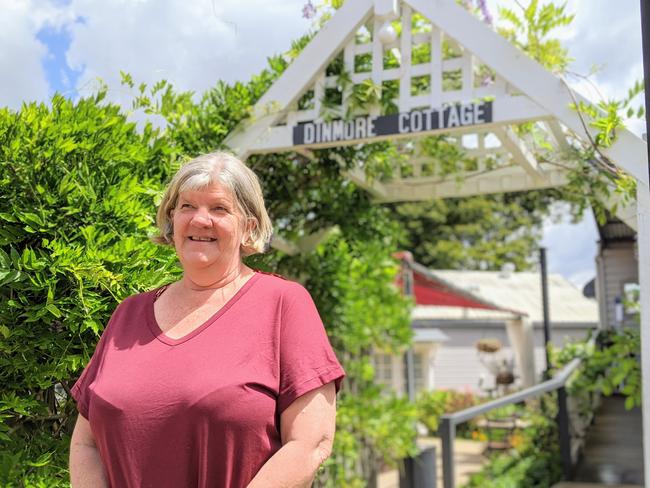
(186, 205)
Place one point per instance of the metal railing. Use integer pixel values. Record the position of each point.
(448, 422)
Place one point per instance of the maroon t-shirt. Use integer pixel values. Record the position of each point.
(203, 410)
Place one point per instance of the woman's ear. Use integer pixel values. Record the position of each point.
(251, 225)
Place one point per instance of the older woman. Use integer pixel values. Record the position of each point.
(224, 378)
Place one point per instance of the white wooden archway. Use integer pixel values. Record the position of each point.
(481, 115)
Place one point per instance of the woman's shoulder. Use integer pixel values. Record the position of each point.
(281, 284)
(139, 299)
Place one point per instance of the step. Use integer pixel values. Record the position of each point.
(580, 484)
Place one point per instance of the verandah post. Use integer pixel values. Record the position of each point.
(447, 431)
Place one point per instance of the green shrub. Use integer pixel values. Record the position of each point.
(78, 184)
(534, 462)
(431, 405)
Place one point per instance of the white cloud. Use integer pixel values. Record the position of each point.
(23, 77)
(191, 44)
(604, 35)
(607, 34)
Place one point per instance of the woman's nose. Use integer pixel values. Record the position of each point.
(201, 218)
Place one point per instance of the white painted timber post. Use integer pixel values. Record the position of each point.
(643, 243)
(520, 335)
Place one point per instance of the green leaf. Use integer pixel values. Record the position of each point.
(43, 460)
(8, 217)
(11, 276)
(54, 310)
(5, 262)
(126, 79)
(4, 330)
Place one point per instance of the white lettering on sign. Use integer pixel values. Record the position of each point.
(428, 119)
(337, 130)
(403, 126)
(413, 122)
(453, 120)
(310, 137)
(360, 128)
(327, 132)
(467, 115)
(349, 130)
(479, 114)
(416, 121)
(371, 127)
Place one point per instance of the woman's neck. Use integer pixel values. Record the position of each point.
(207, 280)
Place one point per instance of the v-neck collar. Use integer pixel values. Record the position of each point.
(162, 337)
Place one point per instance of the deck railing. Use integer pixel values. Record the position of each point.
(448, 422)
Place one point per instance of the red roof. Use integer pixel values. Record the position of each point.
(428, 291)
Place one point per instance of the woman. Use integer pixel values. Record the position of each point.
(224, 378)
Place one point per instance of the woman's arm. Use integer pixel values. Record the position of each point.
(307, 430)
(86, 468)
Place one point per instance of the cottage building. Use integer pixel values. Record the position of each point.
(456, 309)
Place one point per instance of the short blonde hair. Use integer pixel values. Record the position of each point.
(225, 168)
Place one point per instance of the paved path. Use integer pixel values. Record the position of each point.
(578, 484)
(613, 446)
(468, 459)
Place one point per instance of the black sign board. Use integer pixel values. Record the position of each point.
(460, 115)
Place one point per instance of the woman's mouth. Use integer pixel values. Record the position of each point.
(201, 239)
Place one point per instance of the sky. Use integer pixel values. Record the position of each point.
(66, 45)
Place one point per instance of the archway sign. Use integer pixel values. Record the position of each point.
(477, 88)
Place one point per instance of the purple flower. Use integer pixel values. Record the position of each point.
(308, 11)
(487, 80)
(487, 16)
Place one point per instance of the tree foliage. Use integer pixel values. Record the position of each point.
(477, 232)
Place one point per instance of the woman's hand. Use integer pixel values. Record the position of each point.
(86, 468)
(307, 429)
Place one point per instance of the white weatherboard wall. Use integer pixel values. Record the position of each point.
(616, 266)
(643, 222)
(457, 365)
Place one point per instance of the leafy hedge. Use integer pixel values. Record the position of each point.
(78, 184)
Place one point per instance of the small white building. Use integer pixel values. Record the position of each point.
(617, 276)
(456, 309)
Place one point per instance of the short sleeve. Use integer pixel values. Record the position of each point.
(79, 390)
(307, 360)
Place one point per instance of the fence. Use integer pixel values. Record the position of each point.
(448, 422)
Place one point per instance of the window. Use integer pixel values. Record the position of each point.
(384, 369)
(631, 296)
(419, 371)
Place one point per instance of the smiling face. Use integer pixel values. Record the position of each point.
(208, 230)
